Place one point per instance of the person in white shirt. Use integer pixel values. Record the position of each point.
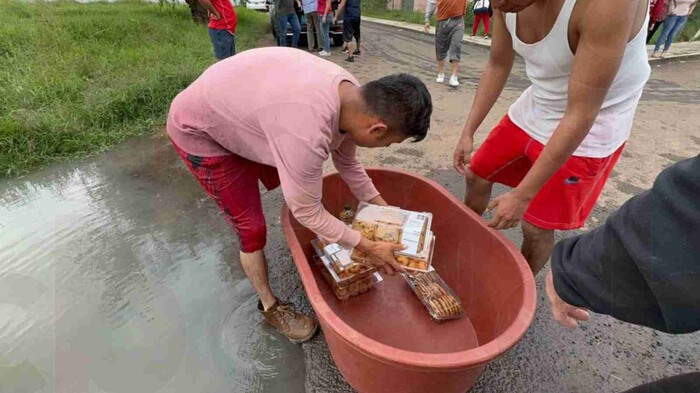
(678, 13)
(313, 24)
(587, 62)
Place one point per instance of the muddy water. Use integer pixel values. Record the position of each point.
(118, 275)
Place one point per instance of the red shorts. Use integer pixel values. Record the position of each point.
(568, 197)
(233, 183)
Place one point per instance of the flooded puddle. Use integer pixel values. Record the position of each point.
(117, 274)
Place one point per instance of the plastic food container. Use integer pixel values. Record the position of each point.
(395, 225)
(436, 296)
(346, 289)
(344, 270)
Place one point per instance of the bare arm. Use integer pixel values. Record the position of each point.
(491, 84)
(327, 11)
(341, 8)
(210, 7)
(604, 31)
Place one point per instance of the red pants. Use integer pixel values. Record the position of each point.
(232, 181)
(568, 197)
(478, 18)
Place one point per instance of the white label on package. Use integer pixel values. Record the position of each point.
(343, 258)
(332, 248)
(412, 231)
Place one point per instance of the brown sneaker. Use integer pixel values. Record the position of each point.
(296, 327)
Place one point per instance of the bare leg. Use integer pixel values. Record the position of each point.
(441, 66)
(478, 193)
(538, 244)
(255, 267)
(455, 68)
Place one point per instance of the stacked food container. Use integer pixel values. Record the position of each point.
(350, 272)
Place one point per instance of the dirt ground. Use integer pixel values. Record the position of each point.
(118, 274)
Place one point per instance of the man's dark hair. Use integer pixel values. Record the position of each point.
(402, 101)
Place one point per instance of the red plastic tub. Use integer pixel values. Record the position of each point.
(384, 340)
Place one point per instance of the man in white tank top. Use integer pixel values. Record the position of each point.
(587, 62)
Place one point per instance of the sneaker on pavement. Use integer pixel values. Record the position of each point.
(663, 54)
(356, 52)
(454, 81)
(296, 327)
(350, 59)
(323, 53)
(345, 50)
(440, 78)
(655, 54)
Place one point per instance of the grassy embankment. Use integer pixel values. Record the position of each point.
(75, 79)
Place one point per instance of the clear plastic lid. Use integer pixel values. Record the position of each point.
(438, 298)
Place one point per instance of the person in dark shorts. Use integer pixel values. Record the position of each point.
(222, 27)
(448, 34)
(351, 26)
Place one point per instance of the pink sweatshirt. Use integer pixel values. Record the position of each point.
(279, 107)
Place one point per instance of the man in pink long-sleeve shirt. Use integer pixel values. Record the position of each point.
(244, 119)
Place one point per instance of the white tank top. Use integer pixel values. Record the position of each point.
(548, 62)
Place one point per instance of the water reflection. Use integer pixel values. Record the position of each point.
(118, 275)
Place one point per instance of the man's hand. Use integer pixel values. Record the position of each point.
(426, 28)
(508, 210)
(214, 15)
(463, 154)
(335, 19)
(381, 255)
(378, 200)
(564, 313)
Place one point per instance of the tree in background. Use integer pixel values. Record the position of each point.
(199, 13)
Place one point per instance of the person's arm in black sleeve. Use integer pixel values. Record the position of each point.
(643, 265)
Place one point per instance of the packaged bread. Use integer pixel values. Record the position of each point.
(395, 225)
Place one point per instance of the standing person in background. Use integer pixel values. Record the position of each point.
(326, 14)
(448, 34)
(351, 26)
(313, 24)
(678, 13)
(482, 12)
(222, 27)
(287, 14)
(658, 10)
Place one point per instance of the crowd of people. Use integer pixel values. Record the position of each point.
(320, 15)
(556, 146)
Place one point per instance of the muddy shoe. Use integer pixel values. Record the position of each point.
(296, 327)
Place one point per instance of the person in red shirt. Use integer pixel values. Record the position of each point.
(658, 10)
(222, 27)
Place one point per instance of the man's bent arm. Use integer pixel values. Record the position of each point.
(210, 7)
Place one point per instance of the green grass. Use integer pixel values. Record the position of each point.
(78, 78)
